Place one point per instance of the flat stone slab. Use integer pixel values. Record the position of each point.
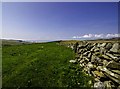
(72, 61)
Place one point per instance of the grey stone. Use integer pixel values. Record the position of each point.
(84, 50)
(89, 47)
(113, 57)
(105, 62)
(115, 48)
(98, 74)
(85, 58)
(86, 69)
(113, 77)
(82, 46)
(106, 57)
(102, 60)
(98, 60)
(102, 50)
(118, 87)
(94, 44)
(89, 82)
(80, 50)
(94, 66)
(79, 45)
(78, 60)
(116, 55)
(98, 45)
(108, 46)
(96, 50)
(116, 71)
(72, 61)
(103, 45)
(101, 68)
(113, 65)
(99, 85)
(92, 49)
(93, 58)
(81, 56)
(93, 73)
(97, 79)
(90, 65)
(89, 55)
(82, 64)
(72, 47)
(81, 61)
(107, 85)
(97, 53)
(86, 53)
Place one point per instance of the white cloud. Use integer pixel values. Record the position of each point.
(112, 35)
(87, 36)
(97, 36)
(74, 37)
(109, 35)
(117, 35)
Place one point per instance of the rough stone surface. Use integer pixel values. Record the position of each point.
(99, 85)
(108, 46)
(101, 60)
(113, 65)
(72, 61)
(115, 48)
(108, 85)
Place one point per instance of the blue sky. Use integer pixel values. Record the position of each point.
(59, 20)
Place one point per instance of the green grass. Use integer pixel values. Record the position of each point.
(12, 42)
(41, 65)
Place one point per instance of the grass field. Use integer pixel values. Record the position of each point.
(41, 65)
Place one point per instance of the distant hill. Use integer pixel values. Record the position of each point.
(6, 42)
(115, 39)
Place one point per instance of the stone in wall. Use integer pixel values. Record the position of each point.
(101, 60)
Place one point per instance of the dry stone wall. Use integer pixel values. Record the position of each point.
(101, 60)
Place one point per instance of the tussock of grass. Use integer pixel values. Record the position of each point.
(41, 65)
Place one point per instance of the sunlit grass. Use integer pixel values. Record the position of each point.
(41, 65)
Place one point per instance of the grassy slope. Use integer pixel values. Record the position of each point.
(12, 42)
(41, 65)
(68, 42)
